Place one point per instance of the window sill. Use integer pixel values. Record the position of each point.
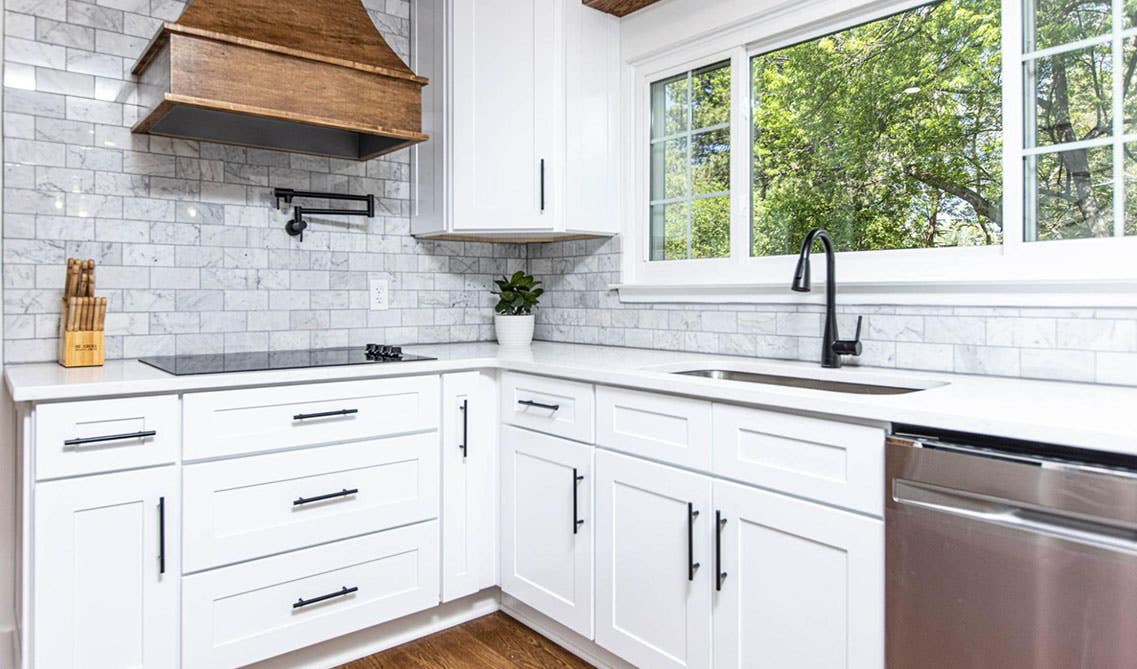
(1037, 293)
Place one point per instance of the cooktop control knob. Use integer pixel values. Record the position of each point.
(383, 352)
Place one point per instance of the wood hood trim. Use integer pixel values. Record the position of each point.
(171, 100)
(309, 76)
(167, 28)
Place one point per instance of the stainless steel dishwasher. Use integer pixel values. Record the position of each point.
(1008, 554)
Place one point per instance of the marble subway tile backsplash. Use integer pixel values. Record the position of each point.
(1095, 345)
(190, 250)
(194, 258)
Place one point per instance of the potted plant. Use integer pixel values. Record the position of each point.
(513, 320)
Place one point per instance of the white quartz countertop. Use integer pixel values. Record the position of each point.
(1071, 414)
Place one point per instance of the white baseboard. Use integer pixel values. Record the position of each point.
(7, 648)
(372, 640)
(582, 647)
(375, 639)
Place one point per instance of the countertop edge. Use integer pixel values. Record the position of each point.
(1086, 416)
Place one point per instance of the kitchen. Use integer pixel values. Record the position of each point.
(980, 358)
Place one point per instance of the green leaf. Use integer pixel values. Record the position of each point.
(517, 294)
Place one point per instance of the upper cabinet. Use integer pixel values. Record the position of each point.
(522, 111)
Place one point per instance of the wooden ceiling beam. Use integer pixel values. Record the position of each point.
(618, 7)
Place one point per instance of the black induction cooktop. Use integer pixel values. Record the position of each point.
(215, 363)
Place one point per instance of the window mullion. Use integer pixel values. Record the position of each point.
(1118, 123)
(740, 156)
(690, 136)
(1017, 121)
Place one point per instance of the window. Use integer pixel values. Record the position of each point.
(690, 165)
(983, 148)
(888, 134)
(1080, 137)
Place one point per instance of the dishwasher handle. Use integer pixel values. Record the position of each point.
(1094, 532)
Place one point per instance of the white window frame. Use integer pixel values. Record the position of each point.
(1087, 272)
(689, 198)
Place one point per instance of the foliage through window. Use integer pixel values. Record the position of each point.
(1080, 121)
(888, 134)
(690, 165)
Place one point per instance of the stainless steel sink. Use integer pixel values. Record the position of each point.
(801, 382)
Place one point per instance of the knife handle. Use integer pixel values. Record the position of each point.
(101, 319)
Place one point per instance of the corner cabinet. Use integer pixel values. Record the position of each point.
(546, 525)
(469, 484)
(522, 112)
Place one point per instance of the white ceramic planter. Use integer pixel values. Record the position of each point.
(513, 331)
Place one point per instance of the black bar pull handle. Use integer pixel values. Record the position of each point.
(465, 409)
(142, 434)
(576, 521)
(161, 535)
(540, 405)
(319, 498)
(720, 523)
(692, 566)
(542, 170)
(325, 414)
(342, 592)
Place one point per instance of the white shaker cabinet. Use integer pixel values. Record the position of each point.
(521, 112)
(546, 525)
(654, 563)
(106, 571)
(469, 484)
(800, 584)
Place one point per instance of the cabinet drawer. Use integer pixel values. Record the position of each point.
(232, 422)
(102, 435)
(250, 507)
(676, 430)
(554, 406)
(827, 461)
(248, 612)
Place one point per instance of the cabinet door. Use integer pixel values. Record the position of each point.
(803, 584)
(503, 114)
(653, 580)
(106, 571)
(469, 484)
(546, 522)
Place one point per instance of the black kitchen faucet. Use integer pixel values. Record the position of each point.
(832, 346)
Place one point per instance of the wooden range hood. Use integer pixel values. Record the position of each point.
(310, 76)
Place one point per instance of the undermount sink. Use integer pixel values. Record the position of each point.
(802, 382)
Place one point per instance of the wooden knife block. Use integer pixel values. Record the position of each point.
(81, 348)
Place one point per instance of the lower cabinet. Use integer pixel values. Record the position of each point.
(546, 525)
(782, 582)
(800, 584)
(250, 507)
(106, 571)
(255, 610)
(654, 564)
(469, 484)
(667, 568)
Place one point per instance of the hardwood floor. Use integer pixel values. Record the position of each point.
(495, 641)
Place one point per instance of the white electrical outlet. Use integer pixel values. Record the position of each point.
(380, 295)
